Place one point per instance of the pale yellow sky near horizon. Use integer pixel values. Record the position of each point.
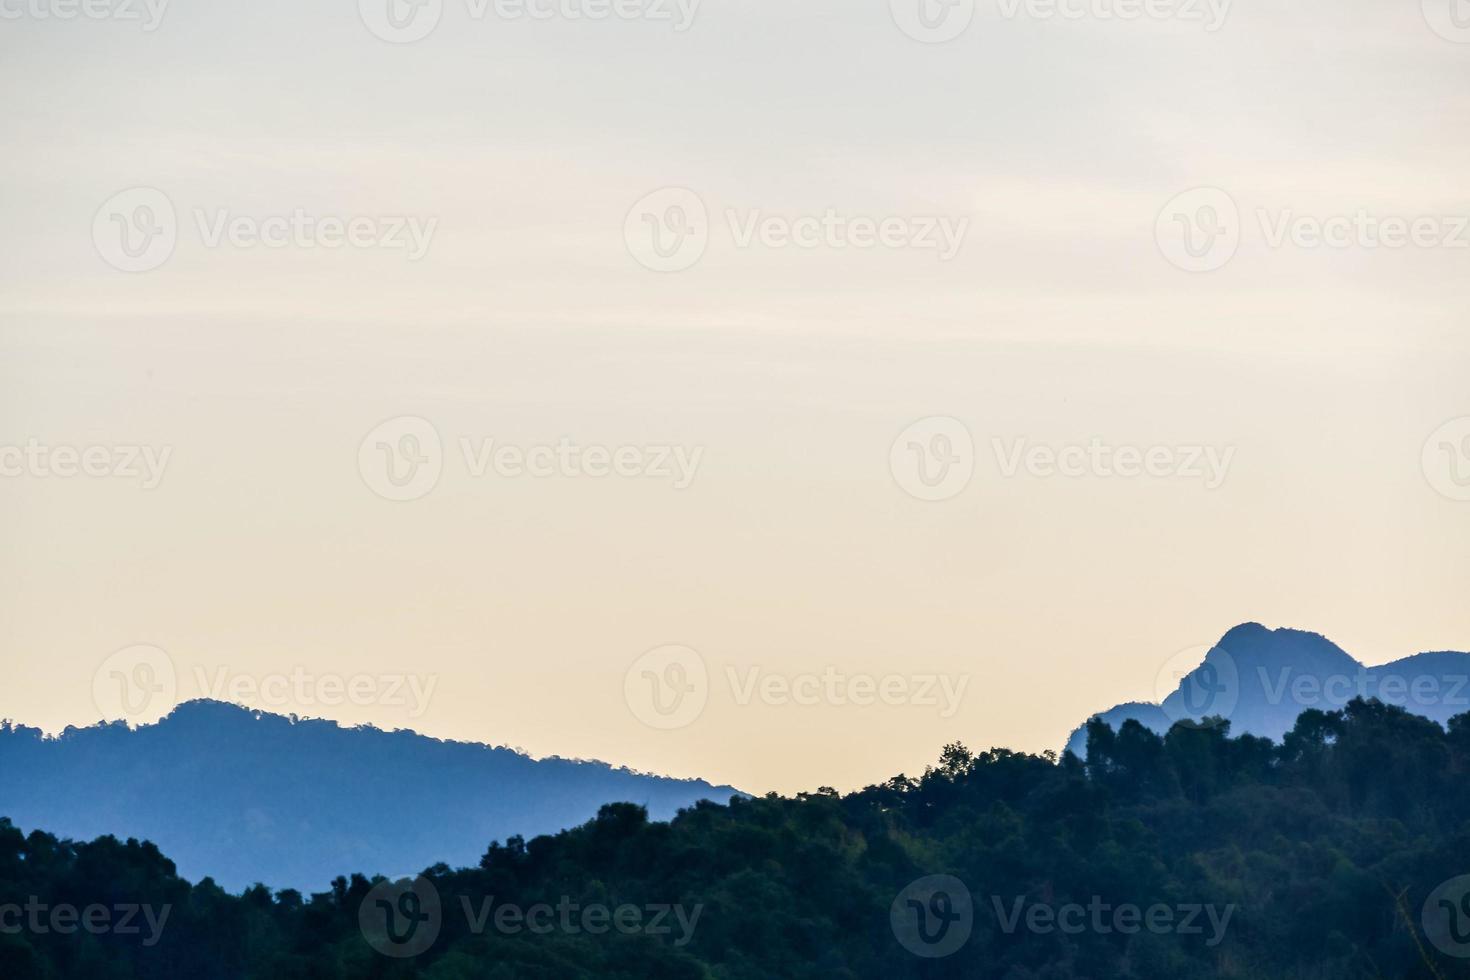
(791, 383)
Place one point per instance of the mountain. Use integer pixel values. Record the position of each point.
(1260, 680)
(246, 796)
(1339, 854)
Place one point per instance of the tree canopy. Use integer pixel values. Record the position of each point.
(1324, 847)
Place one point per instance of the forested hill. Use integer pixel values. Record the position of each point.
(249, 796)
(1261, 679)
(1337, 853)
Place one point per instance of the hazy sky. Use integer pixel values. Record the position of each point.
(832, 285)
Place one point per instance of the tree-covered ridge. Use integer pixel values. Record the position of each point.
(1320, 853)
(247, 796)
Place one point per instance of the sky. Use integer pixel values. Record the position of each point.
(763, 393)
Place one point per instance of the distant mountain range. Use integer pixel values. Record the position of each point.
(1261, 679)
(246, 796)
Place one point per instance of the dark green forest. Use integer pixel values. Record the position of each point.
(1333, 854)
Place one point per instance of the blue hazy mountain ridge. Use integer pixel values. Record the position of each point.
(1260, 680)
(245, 796)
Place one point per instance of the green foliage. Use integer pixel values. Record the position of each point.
(1326, 846)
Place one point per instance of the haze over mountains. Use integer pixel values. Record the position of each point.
(1260, 680)
(245, 796)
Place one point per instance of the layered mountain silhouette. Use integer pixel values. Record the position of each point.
(242, 796)
(1260, 680)
(246, 796)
